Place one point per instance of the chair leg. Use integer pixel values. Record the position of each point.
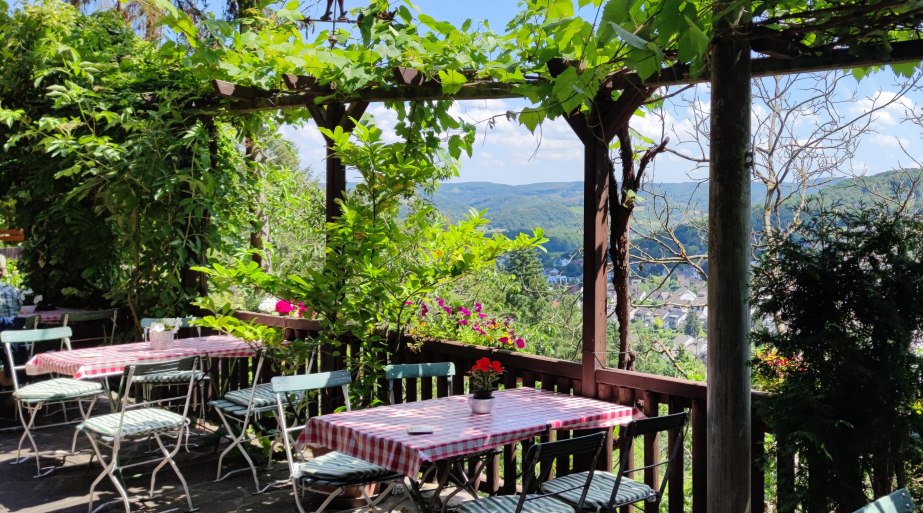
(336, 493)
(109, 470)
(86, 415)
(168, 458)
(27, 434)
(237, 441)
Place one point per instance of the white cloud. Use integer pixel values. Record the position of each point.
(891, 109)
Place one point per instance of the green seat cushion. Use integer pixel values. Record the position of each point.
(261, 399)
(137, 422)
(57, 389)
(168, 377)
(228, 407)
(337, 467)
(600, 489)
(507, 504)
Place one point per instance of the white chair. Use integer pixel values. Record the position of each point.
(31, 398)
(111, 315)
(241, 409)
(140, 421)
(333, 469)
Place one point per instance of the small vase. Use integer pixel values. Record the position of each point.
(480, 405)
(161, 339)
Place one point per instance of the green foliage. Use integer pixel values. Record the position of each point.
(115, 180)
(846, 287)
(377, 260)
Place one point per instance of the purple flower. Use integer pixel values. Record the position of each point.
(463, 322)
(512, 333)
(481, 316)
(520, 343)
(423, 310)
(448, 309)
(440, 302)
(408, 302)
(477, 307)
(464, 311)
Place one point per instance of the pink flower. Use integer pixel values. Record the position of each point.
(481, 316)
(440, 302)
(464, 311)
(520, 343)
(448, 309)
(463, 322)
(477, 307)
(408, 302)
(423, 310)
(505, 340)
(283, 307)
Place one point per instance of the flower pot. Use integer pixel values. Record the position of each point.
(480, 405)
(161, 339)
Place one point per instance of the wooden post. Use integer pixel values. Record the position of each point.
(331, 116)
(595, 248)
(729, 424)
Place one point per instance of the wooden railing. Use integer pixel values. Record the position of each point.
(654, 395)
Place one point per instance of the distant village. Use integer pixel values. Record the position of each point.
(679, 305)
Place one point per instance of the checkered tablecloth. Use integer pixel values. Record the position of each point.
(379, 435)
(55, 316)
(110, 360)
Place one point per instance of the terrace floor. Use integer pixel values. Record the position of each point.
(66, 489)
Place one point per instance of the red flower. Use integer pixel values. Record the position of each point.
(496, 366)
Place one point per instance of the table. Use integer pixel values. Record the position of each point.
(94, 362)
(55, 316)
(379, 435)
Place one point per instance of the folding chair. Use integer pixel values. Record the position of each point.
(31, 398)
(541, 455)
(244, 407)
(611, 491)
(151, 380)
(111, 314)
(333, 469)
(897, 502)
(454, 467)
(140, 421)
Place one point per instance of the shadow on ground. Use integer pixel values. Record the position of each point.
(66, 489)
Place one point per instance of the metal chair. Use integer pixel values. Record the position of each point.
(111, 314)
(141, 421)
(31, 398)
(244, 407)
(333, 469)
(454, 468)
(897, 502)
(610, 491)
(152, 380)
(541, 455)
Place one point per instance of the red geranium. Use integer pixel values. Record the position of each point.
(484, 373)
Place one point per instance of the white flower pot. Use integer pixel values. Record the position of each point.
(161, 339)
(480, 405)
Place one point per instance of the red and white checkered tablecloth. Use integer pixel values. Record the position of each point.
(110, 360)
(55, 316)
(379, 435)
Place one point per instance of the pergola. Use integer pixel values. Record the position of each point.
(730, 72)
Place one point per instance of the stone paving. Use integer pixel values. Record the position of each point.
(66, 489)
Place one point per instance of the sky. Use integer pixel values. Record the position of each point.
(508, 153)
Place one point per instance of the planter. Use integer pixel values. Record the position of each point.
(480, 406)
(161, 339)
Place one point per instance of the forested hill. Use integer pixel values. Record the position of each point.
(557, 206)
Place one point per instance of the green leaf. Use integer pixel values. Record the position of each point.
(628, 37)
(451, 80)
(531, 118)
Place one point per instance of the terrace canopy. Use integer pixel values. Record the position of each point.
(749, 38)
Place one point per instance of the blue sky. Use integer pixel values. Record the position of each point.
(508, 153)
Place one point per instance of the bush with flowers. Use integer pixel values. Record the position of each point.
(484, 375)
(770, 368)
(441, 319)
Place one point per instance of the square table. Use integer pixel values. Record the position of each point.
(379, 435)
(102, 361)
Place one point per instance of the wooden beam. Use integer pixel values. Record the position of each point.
(239, 92)
(14, 235)
(731, 158)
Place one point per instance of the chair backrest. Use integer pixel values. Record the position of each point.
(31, 337)
(285, 386)
(111, 314)
(674, 426)
(897, 502)
(541, 455)
(396, 372)
(146, 322)
(188, 365)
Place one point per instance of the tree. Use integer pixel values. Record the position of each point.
(528, 301)
(692, 326)
(845, 287)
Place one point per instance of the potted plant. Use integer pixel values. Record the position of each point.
(162, 333)
(483, 375)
